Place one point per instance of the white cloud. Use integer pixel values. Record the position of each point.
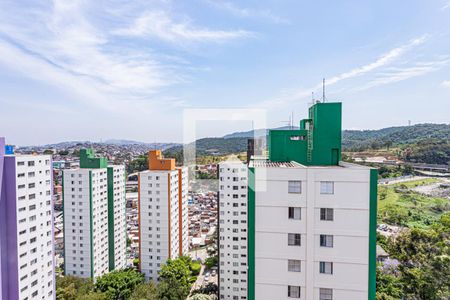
(445, 6)
(392, 75)
(446, 83)
(247, 12)
(383, 61)
(66, 49)
(161, 25)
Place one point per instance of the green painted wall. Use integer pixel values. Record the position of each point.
(317, 142)
(251, 234)
(373, 233)
(89, 161)
(110, 174)
(287, 145)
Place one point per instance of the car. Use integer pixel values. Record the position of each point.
(213, 273)
(206, 277)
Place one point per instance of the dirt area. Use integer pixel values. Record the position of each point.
(439, 189)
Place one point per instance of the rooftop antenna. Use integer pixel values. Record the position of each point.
(323, 90)
(312, 99)
(292, 120)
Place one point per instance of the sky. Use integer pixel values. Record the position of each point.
(96, 70)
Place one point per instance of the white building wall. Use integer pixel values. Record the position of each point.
(349, 227)
(233, 230)
(100, 222)
(184, 210)
(77, 222)
(120, 234)
(34, 227)
(159, 211)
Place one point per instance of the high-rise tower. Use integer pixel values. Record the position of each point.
(94, 217)
(311, 217)
(163, 223)
(27, 268)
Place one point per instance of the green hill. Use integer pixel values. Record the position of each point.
(429, 143)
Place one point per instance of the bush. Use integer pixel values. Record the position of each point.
(195, 268)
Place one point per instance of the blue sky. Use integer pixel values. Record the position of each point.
(91, 70)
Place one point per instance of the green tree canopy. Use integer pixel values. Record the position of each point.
(119, 285)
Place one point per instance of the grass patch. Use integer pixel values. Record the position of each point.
(416, 183)
(399, 205)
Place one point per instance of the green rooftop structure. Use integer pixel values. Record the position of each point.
(89, 161)
(316, 143)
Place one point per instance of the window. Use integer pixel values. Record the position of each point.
(326, 240)
(295, 213)
(326, 214)
(326, 267)
(327, 187)
(294, 265)
(294, 239)
(325, 294)
(294, 187)
(293, 291)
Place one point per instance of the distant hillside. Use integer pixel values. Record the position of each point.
(215, 146)
(364, 139)
(430, 142)
(114, 142)
(255, 133)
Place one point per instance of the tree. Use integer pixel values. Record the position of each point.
(176, 270)
(389, 286)
(145, 291)
(63, 152)
(424, 257)
(71, 287)
(211, 262)
(119, 284)
(171, 289)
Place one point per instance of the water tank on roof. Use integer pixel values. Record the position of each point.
(9, 149)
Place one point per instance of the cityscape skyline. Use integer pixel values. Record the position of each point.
(142, 64)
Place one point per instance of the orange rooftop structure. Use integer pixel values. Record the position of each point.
(157, 162)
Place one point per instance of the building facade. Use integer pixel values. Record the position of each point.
(94, 217)
(233, 230)
(27, 268)
(311, 217)
(163, 215)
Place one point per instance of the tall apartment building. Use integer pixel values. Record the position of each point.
(94, 217)
(233, 230)
(26, 226)
(163, 215)
(311, 217)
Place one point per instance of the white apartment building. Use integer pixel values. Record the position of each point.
(163, 224)
(311, 231)
(26, 227)
(86, 222)
(311, 217)
(94, 217)
(233, 230)
(116, 200)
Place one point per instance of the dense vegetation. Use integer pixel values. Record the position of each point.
(419, 263)
(399, 205)
(403, 135)
(427, 143)
(175, 281)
